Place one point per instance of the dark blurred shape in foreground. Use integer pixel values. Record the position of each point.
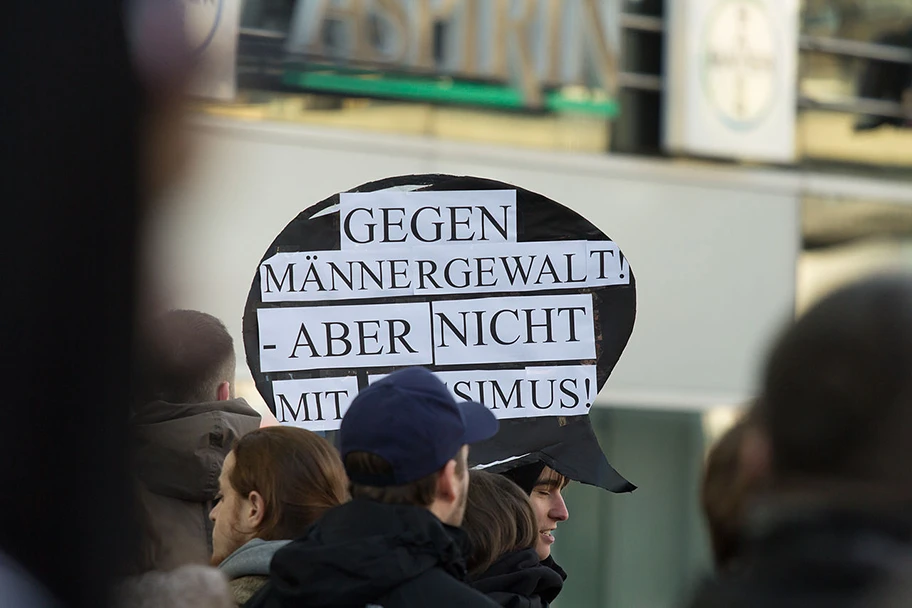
(72, 113)
(836, 414)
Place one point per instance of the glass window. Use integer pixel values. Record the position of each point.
(862, 119)
(855, 79)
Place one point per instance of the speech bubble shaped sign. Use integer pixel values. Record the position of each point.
(513, 299)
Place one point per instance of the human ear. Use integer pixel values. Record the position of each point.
(256, 510)
(447, 482)
(223, 392)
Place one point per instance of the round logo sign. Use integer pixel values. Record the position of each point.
(739, 62)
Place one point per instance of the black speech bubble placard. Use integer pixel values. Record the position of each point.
(567, 444)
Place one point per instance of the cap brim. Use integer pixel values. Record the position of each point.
(480, 423)
(569, 446)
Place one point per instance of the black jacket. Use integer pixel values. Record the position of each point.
(519, 580)
(815, 559)
(367, 553)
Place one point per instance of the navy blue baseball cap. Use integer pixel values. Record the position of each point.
(411, 420)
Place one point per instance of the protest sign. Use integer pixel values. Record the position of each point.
(511, 298)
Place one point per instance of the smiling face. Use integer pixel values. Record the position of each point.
(549, 507)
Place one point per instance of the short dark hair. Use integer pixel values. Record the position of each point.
(498, 519)
(184, 355)
(837, 392)
(532, 475)
(552, 480)
(419, 493)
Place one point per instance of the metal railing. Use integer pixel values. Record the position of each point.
(853, 49)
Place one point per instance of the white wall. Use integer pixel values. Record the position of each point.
(713, 249)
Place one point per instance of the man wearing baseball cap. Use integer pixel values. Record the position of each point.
(405, 443)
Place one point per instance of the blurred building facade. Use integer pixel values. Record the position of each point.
(572, 98)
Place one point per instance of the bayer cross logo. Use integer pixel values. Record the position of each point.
(739, 62)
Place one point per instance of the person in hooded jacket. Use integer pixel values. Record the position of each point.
(503, 563)
(275, 483)
(184, 423)
(404, 442)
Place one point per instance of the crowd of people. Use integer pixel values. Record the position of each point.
(392, 518)
(806, 496)
(182, 497)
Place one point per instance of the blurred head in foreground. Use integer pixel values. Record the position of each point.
(832, 435)
(164, 63)
(837, 405)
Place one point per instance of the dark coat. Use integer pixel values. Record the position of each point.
(519, 580)
(367, 553)
(833, 559)
(180, 449)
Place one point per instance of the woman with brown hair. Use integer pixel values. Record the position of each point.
(503, 562)
(275, 483)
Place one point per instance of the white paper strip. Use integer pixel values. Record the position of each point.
(391, 218)
(432, 270)
(564, 390)
(503, 330)
(343, 337)
(315, 404)
(488, 465)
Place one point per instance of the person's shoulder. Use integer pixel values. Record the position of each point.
(245, 587)
(437, 588)
(735, 589)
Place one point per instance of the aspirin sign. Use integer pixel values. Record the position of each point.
(513, 299)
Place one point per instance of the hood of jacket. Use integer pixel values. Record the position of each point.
(360, 551)
(251, 559)
(180, 447)
(519, 579)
